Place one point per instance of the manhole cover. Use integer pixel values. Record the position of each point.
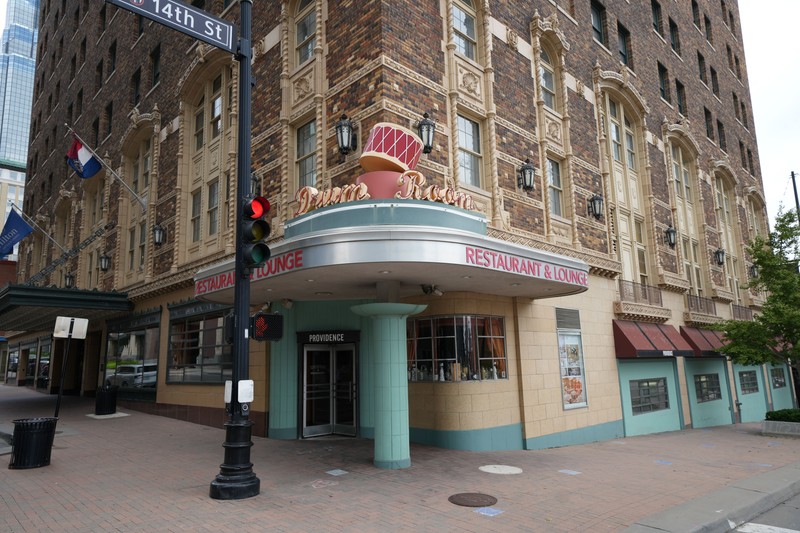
(500, 469)
(472, 499)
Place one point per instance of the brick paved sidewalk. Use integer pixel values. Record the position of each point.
(149, 473)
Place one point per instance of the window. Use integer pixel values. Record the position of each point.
(706, 388)
(136, 86)
(681, 174)
(663, 82)
(73, 67)
(649, 395)
(730, 56)
(696, 14)
(82, 52)
(98, 76)
(139, 24)
(723, 144)
(570, 355)
(736, 108)
(778, 378)
(709, 33)
(738, 67)
(212, 213)
(750, 165)
(140, 167)
(155, 65)
(744, 115)
(701, 67)
(306, 155)
(102, 19)
(112, 57)
(547, 80)
(714, 82)
(456, 348)
(743, 154)
(624, 41)
(656, 9)
(142, 242)
(674, 37)
(680, 93)
(215, 120)
(464, 28)
(469, 151)
(709, 124)
(599, 23)
(198, 352)
(554, 186)
(724, 9)
(109, 118)
(132, 362)
(305, 29)
(748, 381)
(199, 124)
(195, 218)
(132, 248)
(79, 103)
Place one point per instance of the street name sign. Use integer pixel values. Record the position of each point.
(186, 19)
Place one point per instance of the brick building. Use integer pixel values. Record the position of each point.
(535, 318)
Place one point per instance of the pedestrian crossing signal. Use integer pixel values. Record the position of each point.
(266, 327)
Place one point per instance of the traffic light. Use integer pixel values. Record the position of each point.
(266, 327)
(254, 230)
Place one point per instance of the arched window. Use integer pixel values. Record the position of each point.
(548, 80)
(305, 31)
(465, 28)
(727, 220)
(684, 178)
(207, 184)
(623, 140)
(755, 210)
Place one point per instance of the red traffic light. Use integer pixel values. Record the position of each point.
(266, 327)
(256, 207)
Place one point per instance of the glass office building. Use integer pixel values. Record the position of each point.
(17, 68)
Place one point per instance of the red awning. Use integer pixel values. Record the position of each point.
(703, 341)
(642, 339)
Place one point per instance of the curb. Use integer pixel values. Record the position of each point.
(728, 508)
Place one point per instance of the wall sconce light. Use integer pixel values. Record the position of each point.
(159, 234)
(69, 281)
(426, 129)
(345, 135)
(105, 262)
(432, 289)
(287, 303)
(595, 206)
(719, 256)
(526, 173)
(671, 236)
(754, 271)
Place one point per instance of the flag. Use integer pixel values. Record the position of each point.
(82, 161)
(14, 231)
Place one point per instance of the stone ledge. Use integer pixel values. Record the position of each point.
(783, 429)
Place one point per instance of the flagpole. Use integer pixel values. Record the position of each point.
(142, 201)
(29, 219)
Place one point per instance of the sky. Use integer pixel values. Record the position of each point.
(772, 59)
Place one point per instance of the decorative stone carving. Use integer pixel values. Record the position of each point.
(302, 88)
(641, 312)
(512, 38)
(553, 130)
(470, 83)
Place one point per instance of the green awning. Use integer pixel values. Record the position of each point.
(27, 308)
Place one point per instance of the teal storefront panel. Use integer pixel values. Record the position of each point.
(780, 386)
(709, 406)
(750, 390)
(657, 421)
(284, 391)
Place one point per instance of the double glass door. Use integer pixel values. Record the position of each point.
(329, 389)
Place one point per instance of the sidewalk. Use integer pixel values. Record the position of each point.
(148, 473)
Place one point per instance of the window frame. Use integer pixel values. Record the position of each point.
(598, 19)
(306, 158)
(466, 44)
(555, 186)
(474, 152)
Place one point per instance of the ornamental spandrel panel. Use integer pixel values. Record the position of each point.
(470, 80)
(722, 294)
(303, 86)
(693, 318)
(554, 128)
(641, 312)
(213, 158)
(197, 167)
(561, 231)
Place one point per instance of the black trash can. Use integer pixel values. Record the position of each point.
(32, 442)
(106, 401)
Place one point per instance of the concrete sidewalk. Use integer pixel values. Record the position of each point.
(148, 473)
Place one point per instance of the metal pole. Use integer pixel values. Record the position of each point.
(64, 368)
(236, 479)
(796, 201)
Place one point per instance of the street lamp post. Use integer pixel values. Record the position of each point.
(236, 479)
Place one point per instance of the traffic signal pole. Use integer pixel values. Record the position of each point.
(236, 479)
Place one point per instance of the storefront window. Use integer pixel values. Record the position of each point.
(706, 387)
(13, 364)
(456, 348)
(648, 395)
(198, 352)
(43, 374)
(570, 357)
(778, 378)
(132, 356)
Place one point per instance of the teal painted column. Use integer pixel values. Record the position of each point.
(388, 352)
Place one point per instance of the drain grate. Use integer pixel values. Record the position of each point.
(472, 499)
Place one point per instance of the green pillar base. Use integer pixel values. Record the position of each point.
(388, 349)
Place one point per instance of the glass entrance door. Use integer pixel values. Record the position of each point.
(329, 390)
